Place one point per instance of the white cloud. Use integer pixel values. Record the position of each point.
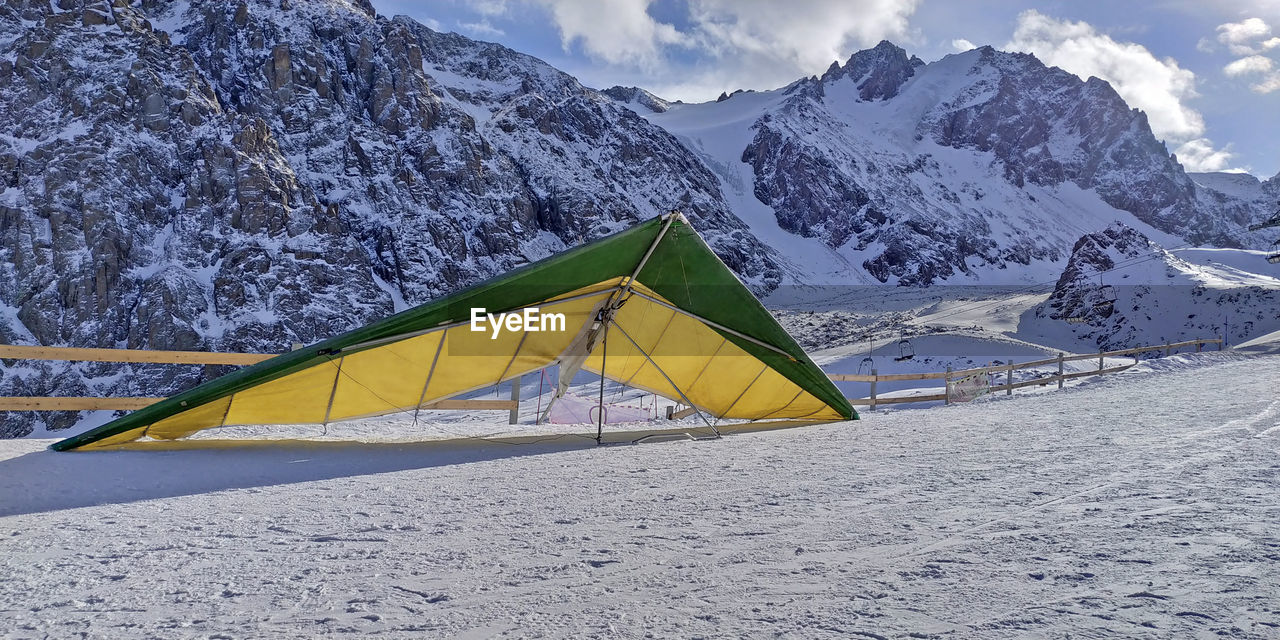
(960, 44)
(1246, 38)
(615, 31)
(489, 7)
(1157, 86)
(482, 29)
(1251, 64)
(804, 36)
(736, 44)
(1268, 84)
(1240, 36)
(1199, 155)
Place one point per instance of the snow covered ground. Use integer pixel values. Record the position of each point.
(1142, 504)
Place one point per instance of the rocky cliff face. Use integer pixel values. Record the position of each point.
(242, 175)
(139, 211)
(1048, 127)
(1240, 196)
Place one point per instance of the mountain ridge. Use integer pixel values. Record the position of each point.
(887, 160)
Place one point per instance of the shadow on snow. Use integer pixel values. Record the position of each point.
(44, 481)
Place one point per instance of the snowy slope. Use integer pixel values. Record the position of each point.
(1133, 506)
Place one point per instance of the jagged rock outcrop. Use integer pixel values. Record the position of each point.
(877, 72)
(1081, 293)
(637, 98)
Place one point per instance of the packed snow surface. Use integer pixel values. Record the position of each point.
(1142, 504)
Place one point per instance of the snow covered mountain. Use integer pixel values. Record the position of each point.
(208, 175)
(1123, 290)
(983, 167)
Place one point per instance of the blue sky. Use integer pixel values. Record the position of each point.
(1207, 73)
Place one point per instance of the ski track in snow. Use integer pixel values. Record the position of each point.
(1143, 504)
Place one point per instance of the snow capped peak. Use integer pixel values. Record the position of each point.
(878, 72)
(1242, 185)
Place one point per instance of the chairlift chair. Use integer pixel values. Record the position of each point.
(905, 351)
(867, 363)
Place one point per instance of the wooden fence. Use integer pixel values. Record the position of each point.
(75, 354)
(949, 376)
(72, 354)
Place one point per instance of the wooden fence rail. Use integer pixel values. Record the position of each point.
(940, 375)
(1008, 369)
(74, 404)
(74, 354)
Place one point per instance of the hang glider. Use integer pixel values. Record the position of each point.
(651, 307)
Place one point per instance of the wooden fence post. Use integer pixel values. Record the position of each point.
(1199, 346)
(1008, 381)
(946, 394)
(1166, 349)
(1220, 341)
(514, 417)
(1060, 379)
(1100, 359)
(873, 389)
